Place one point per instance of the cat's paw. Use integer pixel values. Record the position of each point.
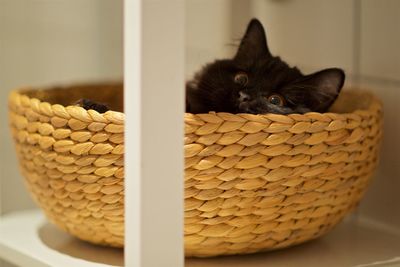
(90, 104)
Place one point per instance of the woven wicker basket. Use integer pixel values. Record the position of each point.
(253, 182)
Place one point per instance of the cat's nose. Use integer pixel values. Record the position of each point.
(243, 97)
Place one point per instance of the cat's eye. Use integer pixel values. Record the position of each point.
(276, 99)
(241, 78)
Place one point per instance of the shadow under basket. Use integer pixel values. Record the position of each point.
(252, 182)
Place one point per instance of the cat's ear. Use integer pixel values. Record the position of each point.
(253, 44)
(319, 90)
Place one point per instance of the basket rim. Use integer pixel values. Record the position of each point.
(17, 97)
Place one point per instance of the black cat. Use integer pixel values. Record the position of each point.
(256, 82)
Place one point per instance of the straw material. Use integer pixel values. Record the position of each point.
(252, 182)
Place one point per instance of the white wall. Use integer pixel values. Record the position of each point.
(309, 33)
(208, 35)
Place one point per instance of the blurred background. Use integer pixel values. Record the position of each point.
(46, 42)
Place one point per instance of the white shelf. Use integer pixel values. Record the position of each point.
(26, 239)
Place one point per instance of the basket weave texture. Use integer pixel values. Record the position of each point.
(252, 182)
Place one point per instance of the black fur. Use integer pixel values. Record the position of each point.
(214, 88)
(90, 104)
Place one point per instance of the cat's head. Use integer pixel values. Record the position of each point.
(256, 82)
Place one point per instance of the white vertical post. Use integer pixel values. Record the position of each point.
(154, 108)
